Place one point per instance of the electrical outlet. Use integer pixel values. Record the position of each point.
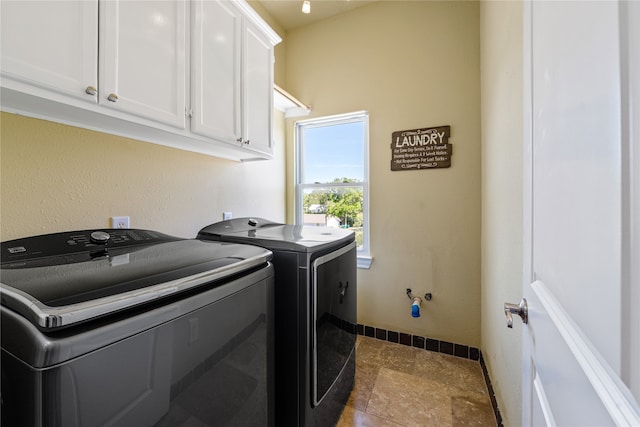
(227, 215)
(120, 222)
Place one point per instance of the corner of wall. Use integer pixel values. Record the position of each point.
(501, 117)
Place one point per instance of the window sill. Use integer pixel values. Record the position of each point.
(364, 262)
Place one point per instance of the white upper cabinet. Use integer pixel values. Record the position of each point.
(216, 70)
(258, 90)
(142, 58)
(232, 75)
(128, 67)
(52, 46)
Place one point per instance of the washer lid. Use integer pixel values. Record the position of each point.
(62, 279)
(275, 236)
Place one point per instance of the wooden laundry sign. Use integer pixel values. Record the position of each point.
(426, 148)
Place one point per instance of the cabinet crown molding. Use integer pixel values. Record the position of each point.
(257, 20)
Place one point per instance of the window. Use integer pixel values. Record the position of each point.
(332, 176)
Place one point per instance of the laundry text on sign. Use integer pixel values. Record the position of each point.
(423, 139)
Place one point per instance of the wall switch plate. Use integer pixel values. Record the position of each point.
(226, 215)
(120, 222)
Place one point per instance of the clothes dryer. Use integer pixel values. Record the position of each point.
(316, 314)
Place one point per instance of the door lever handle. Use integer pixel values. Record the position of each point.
(519, 309)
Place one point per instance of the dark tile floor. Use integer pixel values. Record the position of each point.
(398, 385)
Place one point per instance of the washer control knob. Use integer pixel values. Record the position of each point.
(253, 222)
(100, 237)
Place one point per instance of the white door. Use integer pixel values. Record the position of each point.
(50, 45)
(143, 58)
(581, 357)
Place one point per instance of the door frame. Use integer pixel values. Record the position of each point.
(630, 48)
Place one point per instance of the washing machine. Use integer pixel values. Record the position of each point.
(137, 328)
(316, 314)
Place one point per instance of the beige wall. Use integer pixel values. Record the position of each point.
(56, 177)
(501, 82)
(411, 65)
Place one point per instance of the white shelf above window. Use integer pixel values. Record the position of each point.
(287, 103)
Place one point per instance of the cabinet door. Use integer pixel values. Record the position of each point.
(216, 73)
(142, 58)
(51, 45)
(258, 90)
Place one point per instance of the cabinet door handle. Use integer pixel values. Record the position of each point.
(247, 142)
(90, 90)
(112, 97)
(239, 140)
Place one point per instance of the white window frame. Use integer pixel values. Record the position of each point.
(364, 254)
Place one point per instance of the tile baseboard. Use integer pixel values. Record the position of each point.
(425, 343)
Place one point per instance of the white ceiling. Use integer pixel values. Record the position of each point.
(289, 14)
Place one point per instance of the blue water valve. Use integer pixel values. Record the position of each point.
(415, 307)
